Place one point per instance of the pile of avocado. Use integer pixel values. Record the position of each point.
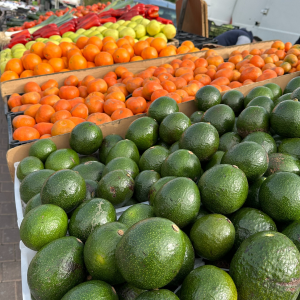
(222, 185)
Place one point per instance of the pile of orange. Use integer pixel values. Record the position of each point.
(90, 52)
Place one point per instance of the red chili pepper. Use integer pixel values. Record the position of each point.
(119, 12)
(86, 17)
(105, 20)
(164, 21)
(151, 10)
(22, 33)
(20, 40)
(49, 33)
(89, 23)
(153, 14)
(45, 28)
(129, 15)
(66, 29)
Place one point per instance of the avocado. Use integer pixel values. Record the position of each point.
(157, 254)
(264, 102)
(283, 98)
(256, 270)
(87, 158)
(279, 197)
(91, 187)
(99, 252)
(208, 282)
(182, 163)
(161, 143)
(202, 139)
(252, 119)
(162, 107)
(212, 236)
(223, 189)
(143, 183)
(93, 289)
(86, 138)
(207, 96)
(122, 163)
(157, 295)
(292, 85)
(127, 291)
(143, 132)
(215, 160)
(153, 158)
(221, 116)
(172, 127)
(28, 165)
(107, 143)
(42, 149)
(275, 88)
(290, 146)
(174, 147)
(62, 159)
(258, 91)
(279, 162)
(250, 157)
(124, 148)
(263, 139)
(33, 183)
(235, 100)
(91, 170)
(178, 200)
(86, 218)
(157, 186)
(228, 140)
(117, 187)
(43, 225)
(56, 269)
(293, 233)
(285, 119)
(253, 193)
(196, 116)
(248, 221)
(64, 188)
(34, 202)
(136, 213)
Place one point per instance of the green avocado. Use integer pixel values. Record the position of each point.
(127, 291)
(207, 97)
(28, 165)
(91, 170)
(34, 202)
(62, 159)
(264, 102)
(157, 295)
(253, 193)
(292, 85)
(235, 100)
(280, 162)
(293, 233)
(290, 146)
(228, 140)
(42, 149)
(283, 98)
(275, 88)
(196, 116)
(91, 187)
(174, 147)
(107, 143)
(258, 91)
(215, 160)
(122, 163)
(87, 158)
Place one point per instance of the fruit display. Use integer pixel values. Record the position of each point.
(221, 185)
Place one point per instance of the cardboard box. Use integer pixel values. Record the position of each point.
(120, 126)
(17, 85)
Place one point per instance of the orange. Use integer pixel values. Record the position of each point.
(31, 98)
(139, 47)
(52, 51)
(97, 85)
(62, 104)
(37, 48)
(26, 73)
(42, 69)
(23, 120)
(14, 65)
(44, 113)
(57, 64)
(121, 55)
(82, 42)
(111, 105)
(49, 99)
(99, 118)
(77, 62)
(158, 44)
(48, 84)
(25, 134)
(62, 127)
(94, 40)
(103, 59)
(76, 120)
(71, 80)
(136, 104)
(168, 51)
(31, 87)
(130, 39)
(149, 52)
(279, 45)
(59, 115)
(65, 47)
(188, 44)
(43, 128)
(30, 61)
(121, 113)
(90, 51)
(51, 91)
(68, 92)
(136, 58)
(72, 52)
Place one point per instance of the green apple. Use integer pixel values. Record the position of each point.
(120, 22)
(169, 31)
(139, 20)
(39, 39)
(73, 36)
(93, 33)
(94, 28)
(18, 53)
(100, 36)
(67, 34)
(136, 18)
(131, 24)
(111, 32)
(121, 28)
(80, 31)
(101, 29)
(153, 28)
(114, 26)
(140, 31)
(162, 26)
(55, 37)
(18, 46)
(161, 35)
(107, 24)
(145, 22)
(6, 50)
(87, 32)
(125, 23)
(136, 40)
(29, 44)
(127, 31)
(51, 41)
(66, 39)
(5, 57)
(143, 38)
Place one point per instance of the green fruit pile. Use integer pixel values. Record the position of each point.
(222, 185)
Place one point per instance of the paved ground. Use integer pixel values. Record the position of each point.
(10, 260)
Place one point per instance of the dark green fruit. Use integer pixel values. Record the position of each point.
(172, 127)
(223, 189)
(124, 148)
(202, 139)
(215, 160)
(157, 295)
(248, 221)
(275, 88)
(212, 236)
(283, 98)
(263, 139)
(250, 157)
(99, 252)
(143, 132)
(279, 162)
(262, 101)
(293, 233)
(56, 268)
(228, 140)
(161, 108)
(91, 187)
(252, 119)
(221, 116)
(65, 188)
(153, 158)
(174, 147)
(28, 165)
(34, 202)
(151, 253)
(107, 143)
(127, 291)
(178, 200)
(86, 138)
(86, 218)
(207, 97)
(62, 159)
(116, 186)
(43, 225)
(196, 116)
(235, 100)
(208, 282)
(87, 158)
(162, 144)
(91, 170)
(94, 289)
(253, 193)
(143, 183)
(279, 197)
(182, 163)
(136, 213)
(42, 149)
(122, 163)
(258, 91)
(290, 146)
(257, 273)
(292, 85)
